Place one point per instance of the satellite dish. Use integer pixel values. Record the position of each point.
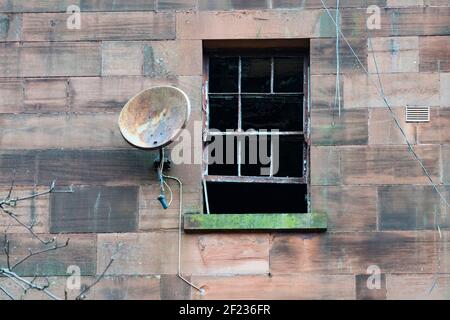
(154, 118)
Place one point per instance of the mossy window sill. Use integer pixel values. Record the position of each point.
(308, 222)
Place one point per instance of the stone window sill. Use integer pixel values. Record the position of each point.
(307, 222)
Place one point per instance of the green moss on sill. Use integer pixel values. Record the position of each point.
(276, 221)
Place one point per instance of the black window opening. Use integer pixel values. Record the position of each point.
(255, 144)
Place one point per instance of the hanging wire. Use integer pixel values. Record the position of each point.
(337, 95)
(170, 192)
(164, 182)
(397, 123)
(437, 227)
(380, 91)
(179, 271)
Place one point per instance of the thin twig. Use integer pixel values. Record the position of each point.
(30, 229)
(38, 194)
(30, 254)
(6, 206)
(12, 184)
(6, 249)
(13, 202)
(7, 293)
(81, 296)
(25, 291)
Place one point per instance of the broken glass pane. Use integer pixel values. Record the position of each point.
(223, 74)
(223, 112)
(290, 157)
(255, 156)
(256, 75)
(222, 156)
(284, 113)
(288, 75)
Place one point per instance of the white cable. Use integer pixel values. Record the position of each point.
(381, 93)
(179, 234)
(170, 192)
(179, 217)
(337, 95)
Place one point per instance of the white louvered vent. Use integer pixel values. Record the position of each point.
(417, 114)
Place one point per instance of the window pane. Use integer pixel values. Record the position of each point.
(223, 75)
(255, 75)
(290, 157)
(222, 160)
(223, 112)
(288, 75)
(284, 113)
(255, 156)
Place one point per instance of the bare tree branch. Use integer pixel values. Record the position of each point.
(7, 293)
(31, 285)
(9, 202)
(12, 184)
(25, 291)
(30, 254)
(29, 228)
(6, 206)
(6, 249)
(82, 295)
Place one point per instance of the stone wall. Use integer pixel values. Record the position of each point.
(60, 94)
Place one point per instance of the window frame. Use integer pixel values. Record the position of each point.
(268, 222)
(304, 135)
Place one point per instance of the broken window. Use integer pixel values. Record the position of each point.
(255, 144)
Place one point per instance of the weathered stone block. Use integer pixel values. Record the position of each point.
(278, 287)
(400, 89)
(138, 253)
(352, 253)
(393, 54)
(348, 128)
(383, 130)
(46, 95)
(49, 59)
(412, 208)
(250, 25)
(99, 26)
(215, 254)
(94, 209)
(349, 208)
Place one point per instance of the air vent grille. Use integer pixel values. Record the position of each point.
(417, 114)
